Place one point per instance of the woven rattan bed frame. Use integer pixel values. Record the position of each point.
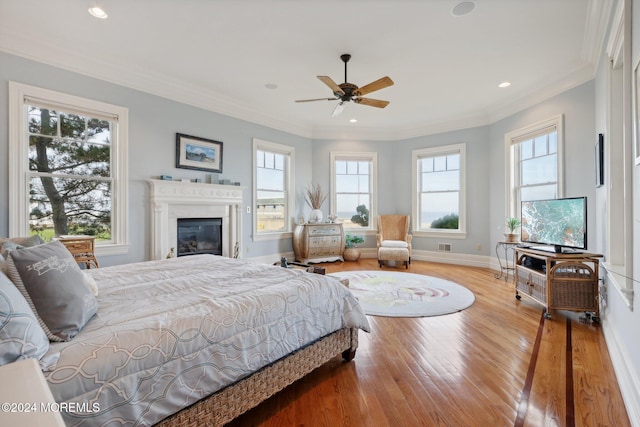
(232, 401)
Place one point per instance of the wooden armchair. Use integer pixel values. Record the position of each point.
(393, 239)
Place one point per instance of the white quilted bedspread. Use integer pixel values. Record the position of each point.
(171, 332)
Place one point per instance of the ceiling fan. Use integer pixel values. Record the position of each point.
(346, 92)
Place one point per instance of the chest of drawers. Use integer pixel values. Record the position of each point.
(318, 242)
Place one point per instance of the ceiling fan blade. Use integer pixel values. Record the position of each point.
(332, 85)
(371, 102)
(316, 99)
(373, 86)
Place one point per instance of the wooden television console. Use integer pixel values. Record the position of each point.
(559, 281)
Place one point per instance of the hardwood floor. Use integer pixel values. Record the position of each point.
(497, 363)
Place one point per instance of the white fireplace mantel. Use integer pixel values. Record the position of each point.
(171, 200)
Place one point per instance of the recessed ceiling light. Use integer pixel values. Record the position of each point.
(463, 8)
(353, 120)
(271, 86)
(98, 12)
(504, 84)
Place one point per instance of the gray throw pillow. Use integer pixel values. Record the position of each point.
(21, 337)
(23, 241)
(52, 283)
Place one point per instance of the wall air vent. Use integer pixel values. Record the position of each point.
(444, 247)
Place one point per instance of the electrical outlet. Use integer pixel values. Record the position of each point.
(478, 247)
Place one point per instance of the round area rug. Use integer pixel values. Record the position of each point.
(395, 294)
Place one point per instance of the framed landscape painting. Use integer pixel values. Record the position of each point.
(197, 153)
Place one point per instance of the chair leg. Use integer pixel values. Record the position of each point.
(406, 265)
(380, 263)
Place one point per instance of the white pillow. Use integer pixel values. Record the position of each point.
(394, 244)
(91, 283)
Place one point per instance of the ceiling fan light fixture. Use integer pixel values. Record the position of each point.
(98, 12)
(338, 110)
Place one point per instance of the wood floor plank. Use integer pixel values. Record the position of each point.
(463, 369)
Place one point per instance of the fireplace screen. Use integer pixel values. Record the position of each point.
(199, 236)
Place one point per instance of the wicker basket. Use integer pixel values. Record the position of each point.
(531, 283)
(575, 287)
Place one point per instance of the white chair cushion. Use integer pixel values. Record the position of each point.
(394, 244)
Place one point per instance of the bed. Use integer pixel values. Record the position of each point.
(198, 340)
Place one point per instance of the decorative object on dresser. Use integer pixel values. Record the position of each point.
(197, 153)
(318, 242)
(351, 250)
(559, 281)
(315, 197)
(82, 248)
(393, 239)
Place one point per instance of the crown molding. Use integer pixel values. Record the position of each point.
(124, 74)
(598, 15)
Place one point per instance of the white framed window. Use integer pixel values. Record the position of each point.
(273, 195)
(353, 190)
(439, 191)
(68, 167)
(534, 156)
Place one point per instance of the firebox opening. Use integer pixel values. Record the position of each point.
(199, 236)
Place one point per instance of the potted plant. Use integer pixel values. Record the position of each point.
(512, 224)
(314, 196)
(351, 251)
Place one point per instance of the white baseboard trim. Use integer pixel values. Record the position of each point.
(626, 376)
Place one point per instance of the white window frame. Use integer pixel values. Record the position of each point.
(416, 155)
(373, 188)
(619, 227)
(19, 160)
(289, 153)
(511, 140)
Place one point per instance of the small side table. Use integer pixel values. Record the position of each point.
(82, 248)
(506, 267)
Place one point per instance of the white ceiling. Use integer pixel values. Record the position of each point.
(220, 54)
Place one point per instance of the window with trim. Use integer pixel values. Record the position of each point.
(353, 177)
(273, 188)
(439, 201)
(534, 157)
(68, 167)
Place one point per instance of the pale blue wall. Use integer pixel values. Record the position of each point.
(395, 175)
(153, 123)
(577, 107)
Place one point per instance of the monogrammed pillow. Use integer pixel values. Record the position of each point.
(52, 283)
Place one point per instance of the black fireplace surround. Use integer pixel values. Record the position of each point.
(199, 236)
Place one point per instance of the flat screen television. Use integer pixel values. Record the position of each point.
(555, 224)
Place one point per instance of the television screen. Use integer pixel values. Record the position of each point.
(556, 222)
